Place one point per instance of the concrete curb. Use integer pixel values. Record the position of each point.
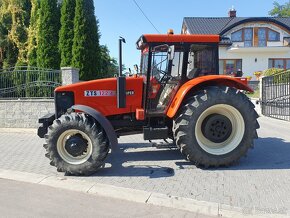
(18, 130)
(158, 199)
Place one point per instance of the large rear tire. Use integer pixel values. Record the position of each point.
(216, 127)
(76, 144)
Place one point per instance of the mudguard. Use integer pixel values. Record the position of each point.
(104, 122)
(203, 81)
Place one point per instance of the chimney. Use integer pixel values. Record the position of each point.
(232, 12)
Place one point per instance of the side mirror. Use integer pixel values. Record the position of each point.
(136, 68)
(171, 52)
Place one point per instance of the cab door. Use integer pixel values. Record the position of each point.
(165, 75)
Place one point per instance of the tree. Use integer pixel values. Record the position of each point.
(280, 10)
(33, 33)
(8, 50)
(86, 51)
(66, 34)
(47, 48)
(20, 14)
(108, 66)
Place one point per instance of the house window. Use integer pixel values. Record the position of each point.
(282, 63)
(257, 36)
(243, 35)
(248, 37)
(262, 37)
(230, 66)
(288, 64)
(237, 36)
(273, 35)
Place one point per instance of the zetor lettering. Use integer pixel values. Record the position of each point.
(92, 93)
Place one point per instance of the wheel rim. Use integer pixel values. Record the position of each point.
(216, 127)
(66, 154)
(229, 139)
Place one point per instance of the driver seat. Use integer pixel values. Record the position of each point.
(193, 73)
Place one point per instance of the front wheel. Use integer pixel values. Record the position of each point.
(76, 144)
(216, 127)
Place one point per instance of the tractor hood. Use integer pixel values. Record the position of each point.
(85, 84)
(101, 94)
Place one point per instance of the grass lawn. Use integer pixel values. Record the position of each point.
(255, 94)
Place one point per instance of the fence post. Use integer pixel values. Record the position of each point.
(262, 97)
(69, 75)
(261, 87)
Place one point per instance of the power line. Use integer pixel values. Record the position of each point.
(146, 16)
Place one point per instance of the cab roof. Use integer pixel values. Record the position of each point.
(172, 38)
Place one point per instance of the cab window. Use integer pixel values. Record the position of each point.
(201, 60)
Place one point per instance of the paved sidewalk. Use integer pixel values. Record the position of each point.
(55, 202)
(260, 182)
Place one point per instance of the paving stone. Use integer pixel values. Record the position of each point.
(261, 181)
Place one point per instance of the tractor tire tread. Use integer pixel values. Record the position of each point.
(100, 144)
(192, 151)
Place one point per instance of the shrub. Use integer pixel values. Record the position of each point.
(272, 71)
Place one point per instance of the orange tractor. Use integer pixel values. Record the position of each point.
(176, 94)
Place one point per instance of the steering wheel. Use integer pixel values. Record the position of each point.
(165, 77)
(160, 75)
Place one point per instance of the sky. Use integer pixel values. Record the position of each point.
(123, 18)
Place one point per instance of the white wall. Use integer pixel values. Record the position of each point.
(261, 54)
(249, 66)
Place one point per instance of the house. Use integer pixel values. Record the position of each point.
(249, 44)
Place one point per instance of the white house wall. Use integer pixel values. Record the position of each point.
(249, 65)
(262, 56)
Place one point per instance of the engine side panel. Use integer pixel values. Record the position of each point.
(101, 95)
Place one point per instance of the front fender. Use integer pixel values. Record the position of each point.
(200, 82)
(104, 122)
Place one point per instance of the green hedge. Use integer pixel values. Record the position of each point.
(279, 75)
(272, 71)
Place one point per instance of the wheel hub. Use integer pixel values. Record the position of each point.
(216, 128)
(76, 145)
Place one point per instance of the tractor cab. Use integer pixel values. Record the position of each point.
(168, 61)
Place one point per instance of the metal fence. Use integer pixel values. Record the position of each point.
(28, 82)
(276, 96)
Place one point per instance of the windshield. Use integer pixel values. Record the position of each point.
(159, 64)
(144, 63)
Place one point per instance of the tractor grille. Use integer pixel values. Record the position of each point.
(63, 101)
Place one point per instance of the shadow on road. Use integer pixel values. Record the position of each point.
(268, 153)
(119, 161)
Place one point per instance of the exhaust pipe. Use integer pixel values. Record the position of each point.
(121, 81)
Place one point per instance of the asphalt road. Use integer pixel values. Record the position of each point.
(19, 199)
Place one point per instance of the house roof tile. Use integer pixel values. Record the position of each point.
(220, 25)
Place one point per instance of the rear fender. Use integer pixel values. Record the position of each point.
(198, 83)
(104, 122)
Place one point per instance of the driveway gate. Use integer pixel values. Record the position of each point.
(28, 82)
(276, 96)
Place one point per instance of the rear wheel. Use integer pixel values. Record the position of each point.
(77, 145)
(216, 127)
